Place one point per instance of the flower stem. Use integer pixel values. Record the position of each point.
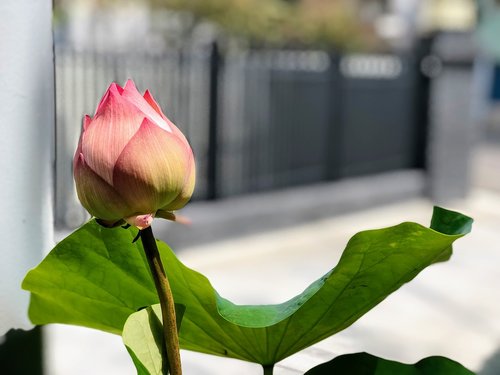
(268, 369)
(170, 334)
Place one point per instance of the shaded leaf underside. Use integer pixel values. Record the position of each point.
(367, 364)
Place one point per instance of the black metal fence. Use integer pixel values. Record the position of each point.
(257, 119)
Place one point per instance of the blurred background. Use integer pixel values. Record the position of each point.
(310, 120)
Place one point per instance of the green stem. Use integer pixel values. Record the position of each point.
(170, 334)
(268, 369)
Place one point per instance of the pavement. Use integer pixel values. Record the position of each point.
(450, 309)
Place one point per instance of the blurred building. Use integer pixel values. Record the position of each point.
(93, 25)
(368, 103)
(449, 15)
(488, 65)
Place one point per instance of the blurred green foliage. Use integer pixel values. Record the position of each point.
(303, 23)
(326, 23)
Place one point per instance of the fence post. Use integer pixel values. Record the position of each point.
(213, 102)
(451, 132)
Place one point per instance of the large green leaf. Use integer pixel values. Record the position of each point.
(367, 364)
(373, 265)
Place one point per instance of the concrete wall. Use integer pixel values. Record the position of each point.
(26, 149)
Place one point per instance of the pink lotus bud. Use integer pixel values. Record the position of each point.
(131, 160)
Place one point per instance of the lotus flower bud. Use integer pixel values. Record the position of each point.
(132, 162)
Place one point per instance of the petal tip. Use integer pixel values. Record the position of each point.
(86, 122)
(130, 85)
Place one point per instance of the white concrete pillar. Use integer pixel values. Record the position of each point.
(26, 149)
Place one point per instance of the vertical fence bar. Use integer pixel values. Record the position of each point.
(426, 68)
(212, 152)
(335, 127)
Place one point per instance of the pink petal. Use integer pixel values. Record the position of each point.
(151, 170)
(113, 126)
(187, 190)
(78, 153)
(140, 221)
(173, 217)
(152, 102)
(133, 96)
(113, 87)
(96, 195)
(86, 122)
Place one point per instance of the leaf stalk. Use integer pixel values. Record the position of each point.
(268, 369)
(170, 333)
